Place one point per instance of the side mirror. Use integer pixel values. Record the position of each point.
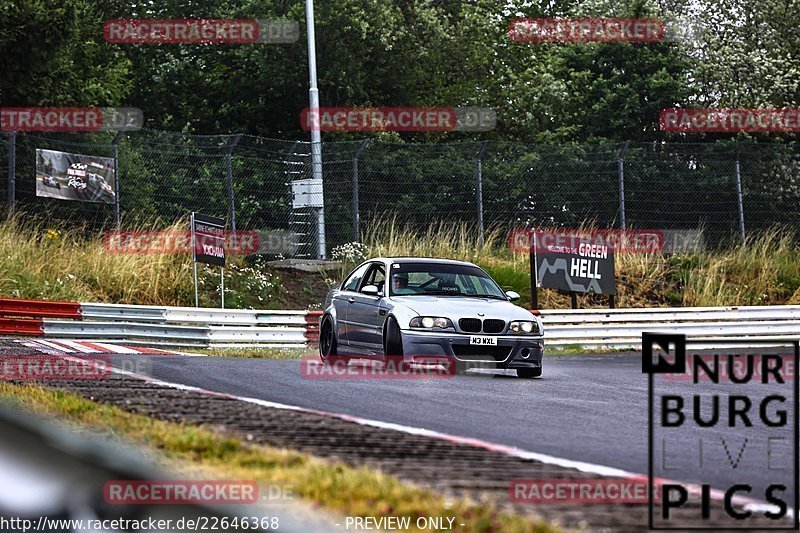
(370, 290)
(513, 296)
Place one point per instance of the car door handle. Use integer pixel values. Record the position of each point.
(351, 300)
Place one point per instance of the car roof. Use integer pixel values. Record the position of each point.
(407, 259)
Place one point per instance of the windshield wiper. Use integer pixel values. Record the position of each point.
(462, 294)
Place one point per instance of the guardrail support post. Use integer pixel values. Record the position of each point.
(229, 181)
(621, 177)
(739, 196)
(356, 222)
(479, 187)
(534, 280)
(12, 169)
(115, 148)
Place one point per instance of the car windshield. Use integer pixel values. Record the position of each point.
(441, 279)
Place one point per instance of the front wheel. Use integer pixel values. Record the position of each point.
(393, 347)
(529, 372)
(328, 345)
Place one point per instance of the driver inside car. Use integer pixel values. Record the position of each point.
(400, 284)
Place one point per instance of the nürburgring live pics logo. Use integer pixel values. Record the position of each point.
(734, 417)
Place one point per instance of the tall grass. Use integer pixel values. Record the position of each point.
(41, 262)
(765, 270)
(439, 239)
(37, 262)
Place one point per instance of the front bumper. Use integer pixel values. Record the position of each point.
(512, 351)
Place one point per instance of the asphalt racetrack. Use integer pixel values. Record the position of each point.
(590, 408)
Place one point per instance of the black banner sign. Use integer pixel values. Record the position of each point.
(208, 235)
(573, 263)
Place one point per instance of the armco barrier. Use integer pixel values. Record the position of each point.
(204, 327)
(158, 325)
(622, 328)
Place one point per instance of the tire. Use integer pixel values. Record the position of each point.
(329, 346)
(529, 372)
(393, 347)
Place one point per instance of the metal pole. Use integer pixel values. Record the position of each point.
(222, 285)
(316, 140)
(739, 195)
(534, 279)
(194, 259)
(115, 147)
(479, 187)
(229, 181)
(12, 156)
(356, 222)
(621, 174)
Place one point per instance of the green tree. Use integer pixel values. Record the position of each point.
(53, 53)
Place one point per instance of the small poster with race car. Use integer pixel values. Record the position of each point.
(66, 176)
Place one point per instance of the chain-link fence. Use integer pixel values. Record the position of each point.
(727, 189)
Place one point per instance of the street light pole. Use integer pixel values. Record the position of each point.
(316, 140)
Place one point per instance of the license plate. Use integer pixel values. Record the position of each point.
(483, 341)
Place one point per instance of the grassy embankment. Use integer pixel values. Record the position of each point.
(35, 263)
(764, 271)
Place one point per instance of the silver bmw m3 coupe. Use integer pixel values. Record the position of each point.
(407, 309)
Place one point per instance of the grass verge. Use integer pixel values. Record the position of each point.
(334, 486)
(256, 353)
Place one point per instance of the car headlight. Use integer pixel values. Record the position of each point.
(431, 322)
(524, 327)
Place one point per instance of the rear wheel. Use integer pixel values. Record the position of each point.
(329, 346)
(393, 347)
(529, 372)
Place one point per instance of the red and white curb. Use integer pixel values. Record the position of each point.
(67, 347)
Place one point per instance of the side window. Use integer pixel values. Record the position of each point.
(376, 277)
(355, 278)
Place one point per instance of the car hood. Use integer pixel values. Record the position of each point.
(455, 307)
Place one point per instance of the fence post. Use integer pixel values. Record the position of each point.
(356, 222)
(12, 156)
(479, 187)
(229, 181)
(621, 175)
(115, 148)
(739, 195)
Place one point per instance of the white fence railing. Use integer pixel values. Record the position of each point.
(622, 328)
(203, 327)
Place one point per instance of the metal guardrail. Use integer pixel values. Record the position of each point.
(159, 325)
(203, 327)
(622, 328)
